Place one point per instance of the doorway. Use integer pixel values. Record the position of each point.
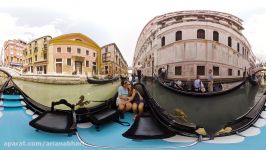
(44, 69)
(58, 67)
(78, 67)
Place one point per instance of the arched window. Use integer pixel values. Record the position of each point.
(178, 35)
(229, 41)
(163, 41)
(201, 34)
(238, 47)
(215, 36)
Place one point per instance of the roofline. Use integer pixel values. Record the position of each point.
(40, 38)
(69, 34)
(180, 12)
(117, 49)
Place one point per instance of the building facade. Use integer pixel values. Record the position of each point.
(36, 56)
(73, 54)
(68, 54)
(13, 52)
(112, 61)
(189, 43)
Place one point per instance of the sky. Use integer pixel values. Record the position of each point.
(118, 21)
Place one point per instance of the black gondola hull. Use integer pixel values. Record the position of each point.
(199, 94)
(95, 81)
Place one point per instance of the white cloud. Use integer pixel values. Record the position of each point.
(10, 30)
(255, 32)
(119, 21)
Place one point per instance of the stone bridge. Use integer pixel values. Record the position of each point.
(259, 68)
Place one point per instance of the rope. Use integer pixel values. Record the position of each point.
(237, 133)
(123, 123)
(148, 147)
(193, 143)
(87, 144)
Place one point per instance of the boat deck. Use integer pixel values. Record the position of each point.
(17, 134)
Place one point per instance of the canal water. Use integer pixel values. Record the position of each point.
(212, 113)
(46, 93)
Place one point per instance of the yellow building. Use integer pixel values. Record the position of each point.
(112, 61)
(67, 54)
(35, 56)
(73, 54)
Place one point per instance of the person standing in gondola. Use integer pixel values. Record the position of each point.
(163, 73)
(198, 85)
(210, 81)
(139, 75)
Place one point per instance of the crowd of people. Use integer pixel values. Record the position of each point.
(197, 84)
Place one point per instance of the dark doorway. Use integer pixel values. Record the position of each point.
(58, 67)
(159, 71)
(78, 67)
(44, 69)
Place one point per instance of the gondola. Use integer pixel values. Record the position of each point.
(100, 114)
(253, 80)
(166, 84)
(94, 114)
(101, 81)
(157, 123)
(56, 121)
(245, 121)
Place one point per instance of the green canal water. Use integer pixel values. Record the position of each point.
(46, 93)
(212, 113)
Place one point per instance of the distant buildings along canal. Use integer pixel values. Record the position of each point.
(112, 60)
(36, 55)
(189, 43)
(13, 52)
(68, 54)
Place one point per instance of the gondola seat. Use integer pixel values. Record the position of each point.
(104, 114)
(56, 121)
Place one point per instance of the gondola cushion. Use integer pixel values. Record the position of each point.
(55, 122)
(146, 127)
(105, 116)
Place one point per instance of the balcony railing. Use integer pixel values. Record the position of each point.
(35, 49)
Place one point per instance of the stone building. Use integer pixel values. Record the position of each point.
(13, 52)
(67, 54)
(36, 55)
(189, 43)
(112, 61)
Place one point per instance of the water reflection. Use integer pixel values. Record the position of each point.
(46, 93)
(211, 112)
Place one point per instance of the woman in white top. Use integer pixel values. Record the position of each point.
(123, 102)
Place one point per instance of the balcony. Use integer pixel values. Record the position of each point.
(45, 47)
(35, 49)
(106, 57)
